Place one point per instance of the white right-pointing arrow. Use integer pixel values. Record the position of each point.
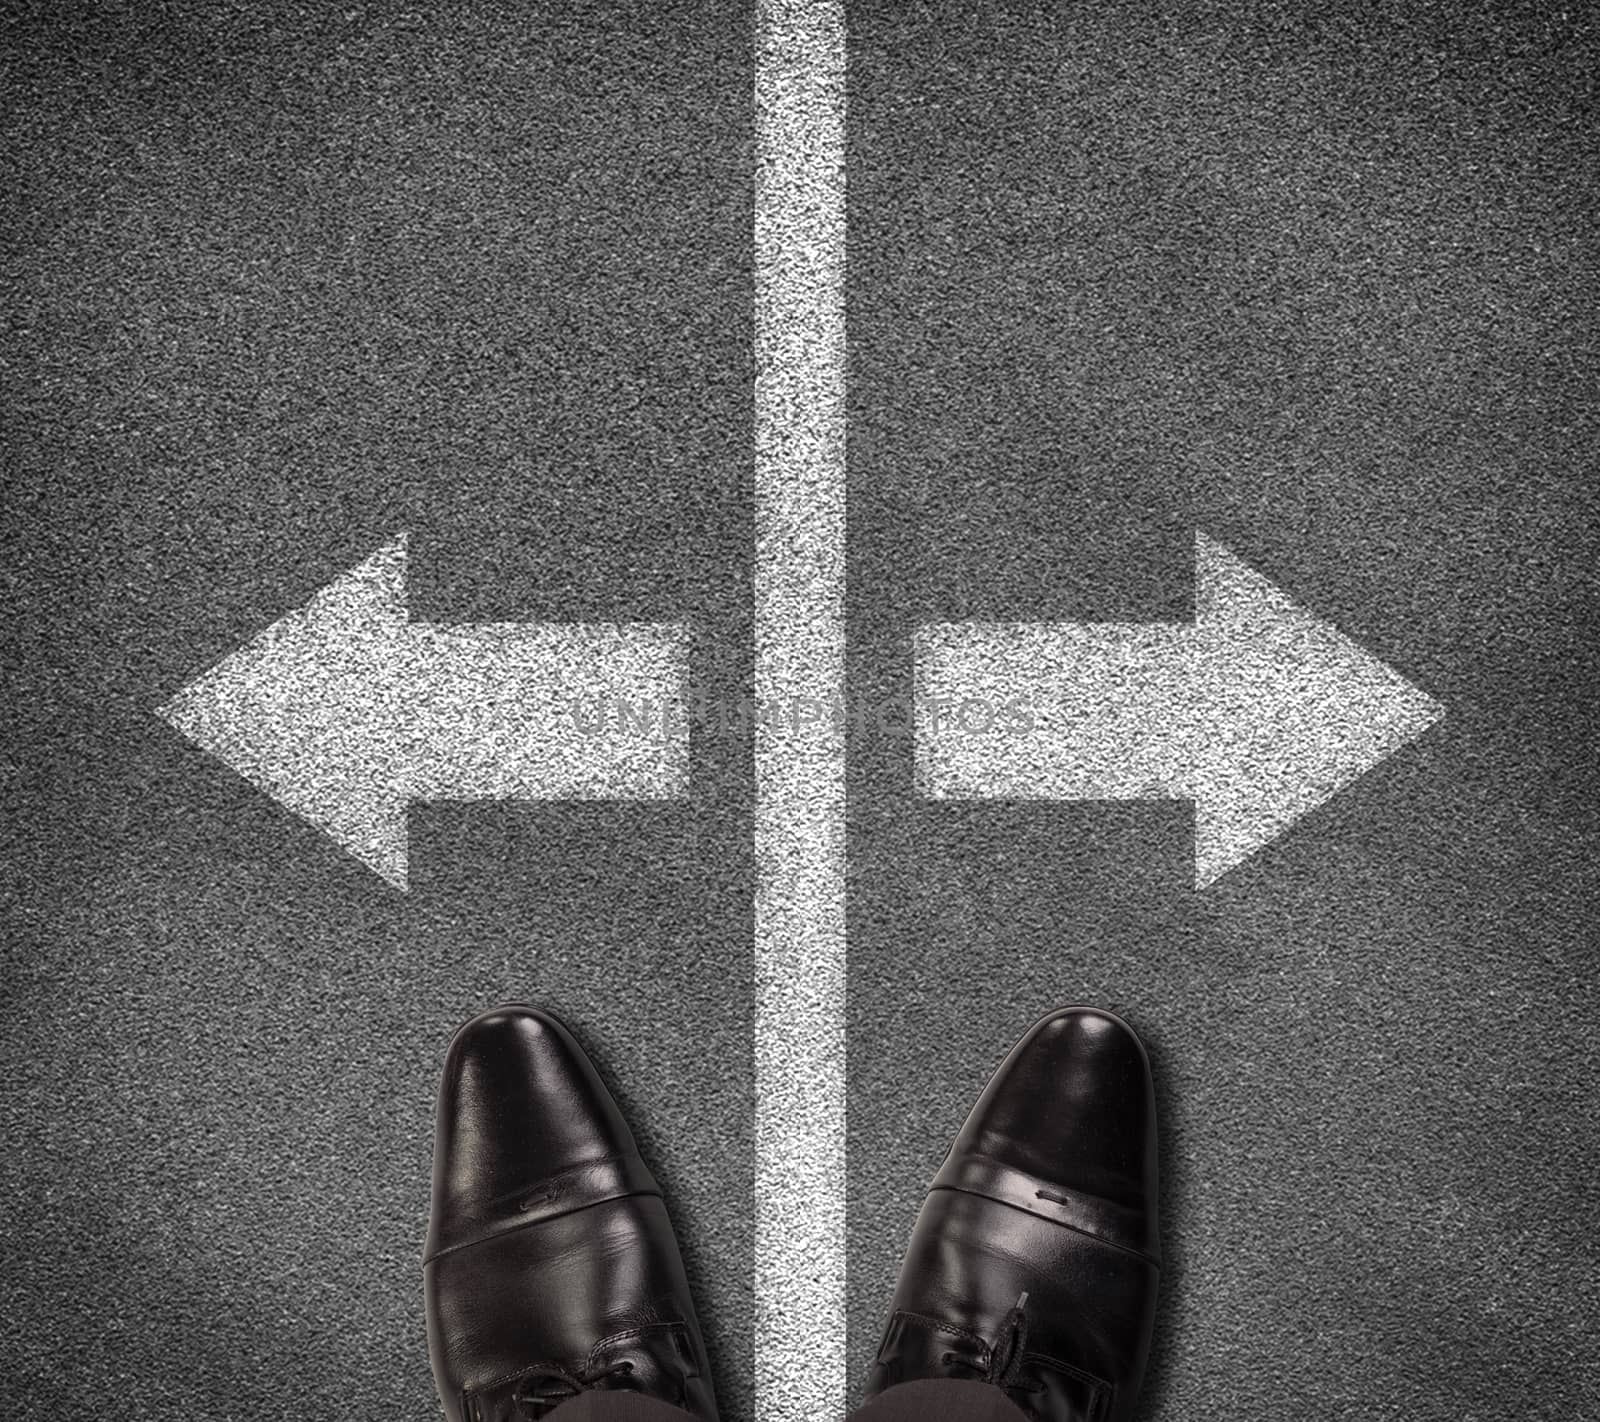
(1257, 711)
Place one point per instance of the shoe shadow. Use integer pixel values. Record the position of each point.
(1156, 1393)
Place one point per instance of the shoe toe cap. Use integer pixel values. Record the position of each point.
(525, 1128)
(1072, 1109)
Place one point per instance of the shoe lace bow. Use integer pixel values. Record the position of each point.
(550, 1385)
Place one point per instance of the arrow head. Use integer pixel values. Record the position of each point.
(309, 711)
(1287, 711)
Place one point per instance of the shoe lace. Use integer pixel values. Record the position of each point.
(550, 1385)
(1003, 1367)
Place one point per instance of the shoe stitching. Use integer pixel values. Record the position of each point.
(939, 1325)
(502, 1230)
(530, 1196)
(1104, 1392)
(679, 1329)
(1004, 1171)
(474, 1394)
(1062, 1366)
(1139, 1254)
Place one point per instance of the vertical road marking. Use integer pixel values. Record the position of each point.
(799, 678)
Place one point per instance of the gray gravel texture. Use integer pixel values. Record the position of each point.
(1319, 281)
(284, 281)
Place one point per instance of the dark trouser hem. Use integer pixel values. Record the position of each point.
(930, 1400)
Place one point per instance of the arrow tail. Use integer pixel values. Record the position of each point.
(1057, 711)
(531, 711)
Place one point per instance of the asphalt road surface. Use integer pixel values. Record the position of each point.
(1320, 285)
(295, 280)
(284, 282)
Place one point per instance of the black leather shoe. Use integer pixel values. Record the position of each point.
(551, 1267)
(1034, 1262)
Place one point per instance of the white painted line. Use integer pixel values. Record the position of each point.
(799, 664)
(1257, 712)
(346, 711)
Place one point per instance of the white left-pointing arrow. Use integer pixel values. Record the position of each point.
(346, 711)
